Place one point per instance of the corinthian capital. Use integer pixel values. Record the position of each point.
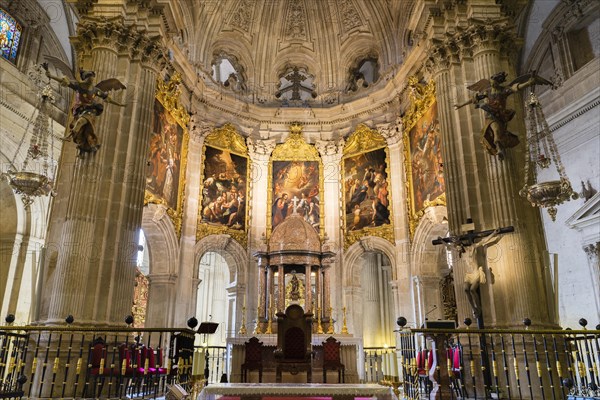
(260, 146)
(391, 132)
(199, 129)
(330, 147)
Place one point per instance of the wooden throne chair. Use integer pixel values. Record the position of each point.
(332, 359)
(252, 359)
(294, 346)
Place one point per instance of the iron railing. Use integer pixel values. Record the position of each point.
(87, 362)
(498, 363)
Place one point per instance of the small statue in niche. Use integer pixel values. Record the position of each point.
(495, 136)
(87, 105)
(294, 287)
(356, 81)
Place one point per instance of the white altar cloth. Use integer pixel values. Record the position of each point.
(259, 390)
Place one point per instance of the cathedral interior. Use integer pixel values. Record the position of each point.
(362, 159)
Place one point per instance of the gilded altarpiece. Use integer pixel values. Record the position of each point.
(295, 177)
(422, 153)
(140, 299)
(225, 178)
(167, 154)
(366, 187)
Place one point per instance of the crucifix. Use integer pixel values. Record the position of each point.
(295, 77)
(295, 200)
(469, 243)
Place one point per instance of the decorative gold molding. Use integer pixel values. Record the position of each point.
(295, 148)
(422, 98)
(228, 139)
(364, 140)
(168, 96)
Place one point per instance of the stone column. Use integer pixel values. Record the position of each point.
(161, 287)
(308, 288)
(281, 283)
(331, 153)
(259, 152)
(318, 291)
(481, 186)
(371, 317)
(98, 233)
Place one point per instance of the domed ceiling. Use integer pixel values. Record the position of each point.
(277, 46)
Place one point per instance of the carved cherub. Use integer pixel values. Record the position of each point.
(495, 136)
(86, 106)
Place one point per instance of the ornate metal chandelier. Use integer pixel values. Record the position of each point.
(35, 176)
(542, 152)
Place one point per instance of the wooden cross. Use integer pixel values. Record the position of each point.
(469, 238)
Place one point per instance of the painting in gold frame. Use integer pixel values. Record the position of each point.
(422, 153)
(167, 153)
(366, 187)
(224, 190)
(295, 172)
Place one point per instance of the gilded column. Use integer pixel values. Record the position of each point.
(281, 284)
(97, 244)
(307, 288)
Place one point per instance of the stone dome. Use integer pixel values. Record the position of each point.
(295, 234)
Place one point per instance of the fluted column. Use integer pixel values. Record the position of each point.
(160, 286)
(331, 153)
(97, 243)
(371, 301)
(484, 187)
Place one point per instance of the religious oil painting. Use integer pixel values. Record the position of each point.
(10, 36)
(426, 159)
(164, 158)
(366, 187)
(366, 190)
(295, 182)
(167, 152)
(224, 189)
(422, 152)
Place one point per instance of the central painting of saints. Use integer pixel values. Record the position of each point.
(295, 181)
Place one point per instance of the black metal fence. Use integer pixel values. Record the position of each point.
(499, 364)
(70, 361)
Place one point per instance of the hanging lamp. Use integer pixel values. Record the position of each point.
(35, 176)
(542, 152)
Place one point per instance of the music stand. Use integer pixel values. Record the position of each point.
(207, 328)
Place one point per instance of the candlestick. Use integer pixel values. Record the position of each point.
(257, 330)
(243, 327)
(319, 327)
(330, 330)
(344, 326)
(269, 330)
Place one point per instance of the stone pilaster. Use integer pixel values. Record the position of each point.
(481, 186)
(331, 154)
(161, 286)
(98, 234)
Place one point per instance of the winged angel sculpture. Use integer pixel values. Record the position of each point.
(495, 136)
(86, 106)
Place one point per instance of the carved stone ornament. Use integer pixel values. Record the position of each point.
(260, 146)
(242, 16)
(330, 147)
(367, 244)
(350, 18)
(392, 133)
(295, 27)
(114, 34)
(159, 214)
(199, 129)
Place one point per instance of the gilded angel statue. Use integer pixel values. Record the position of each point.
(495, 136)
(87, 105)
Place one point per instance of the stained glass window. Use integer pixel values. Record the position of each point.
(10, 36)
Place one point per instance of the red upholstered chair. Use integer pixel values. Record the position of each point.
(294, 336)
(252, 359)
(332, 359)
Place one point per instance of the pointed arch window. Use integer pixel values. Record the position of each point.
(10, 36)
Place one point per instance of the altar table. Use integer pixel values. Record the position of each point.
(258, 391)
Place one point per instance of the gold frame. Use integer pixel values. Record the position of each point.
(167, 94)
(226, 138)
(295, 148)
(364, 140)
(422, 98)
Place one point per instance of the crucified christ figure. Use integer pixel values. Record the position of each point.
(476, 276)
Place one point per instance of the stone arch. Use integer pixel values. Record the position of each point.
(161, 240)
(230, 250)
(351, 274)
(428, 261)
(163, 247)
